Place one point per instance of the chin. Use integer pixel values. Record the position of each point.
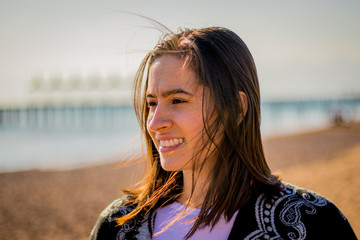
(173, 165)
(169, 167)
(169, 164)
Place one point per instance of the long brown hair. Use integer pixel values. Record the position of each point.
(224, 65)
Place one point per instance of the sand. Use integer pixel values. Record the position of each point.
(65, 204)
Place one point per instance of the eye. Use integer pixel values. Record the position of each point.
(151, 104)
(177, 101)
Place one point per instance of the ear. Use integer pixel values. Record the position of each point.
(244, 103)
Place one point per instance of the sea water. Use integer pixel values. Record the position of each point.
(68, 137)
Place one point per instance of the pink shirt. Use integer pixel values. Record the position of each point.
(181, 227)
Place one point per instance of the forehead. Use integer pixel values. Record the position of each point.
(171, 72)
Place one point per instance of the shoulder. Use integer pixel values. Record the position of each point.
(106, 226)
(117, 208)
(298, 206)
(296, 213)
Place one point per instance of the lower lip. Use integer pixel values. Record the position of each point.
(164, 149)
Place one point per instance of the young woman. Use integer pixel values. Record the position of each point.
(198, 103)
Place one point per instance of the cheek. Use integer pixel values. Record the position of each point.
(147, 125)
(152, 134)
(149, 117)
(194, 126)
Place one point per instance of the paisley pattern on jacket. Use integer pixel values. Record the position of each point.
(292, 210)
(295, 214)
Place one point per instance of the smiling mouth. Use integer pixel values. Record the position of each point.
(172, 142)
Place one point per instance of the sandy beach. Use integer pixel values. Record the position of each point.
(65, 204)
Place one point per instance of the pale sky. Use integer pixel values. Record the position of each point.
(302, 49)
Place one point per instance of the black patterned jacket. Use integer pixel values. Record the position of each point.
(297, 214)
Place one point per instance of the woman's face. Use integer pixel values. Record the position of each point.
(175, 121)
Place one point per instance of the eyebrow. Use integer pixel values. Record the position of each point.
(170, 92)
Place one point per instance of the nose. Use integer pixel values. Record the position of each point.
(159, 119)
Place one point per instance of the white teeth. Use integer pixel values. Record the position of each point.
(171, 142)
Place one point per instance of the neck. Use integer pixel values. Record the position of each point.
(193, 196)
(196, 183)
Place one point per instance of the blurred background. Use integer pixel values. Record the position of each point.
(66, 70)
